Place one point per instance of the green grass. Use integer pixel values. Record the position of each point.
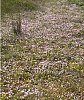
(14, 6)
(11, 6)
(77, 2)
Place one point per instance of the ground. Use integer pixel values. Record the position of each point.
(47, 61)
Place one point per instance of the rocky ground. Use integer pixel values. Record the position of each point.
(47, 61)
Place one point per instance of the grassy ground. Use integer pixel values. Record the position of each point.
(77, 2)
(14, 6)
(47, 61)
(11, 6)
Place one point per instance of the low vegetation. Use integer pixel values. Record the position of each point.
(77, 2)
(15, 6)
(46, 61)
